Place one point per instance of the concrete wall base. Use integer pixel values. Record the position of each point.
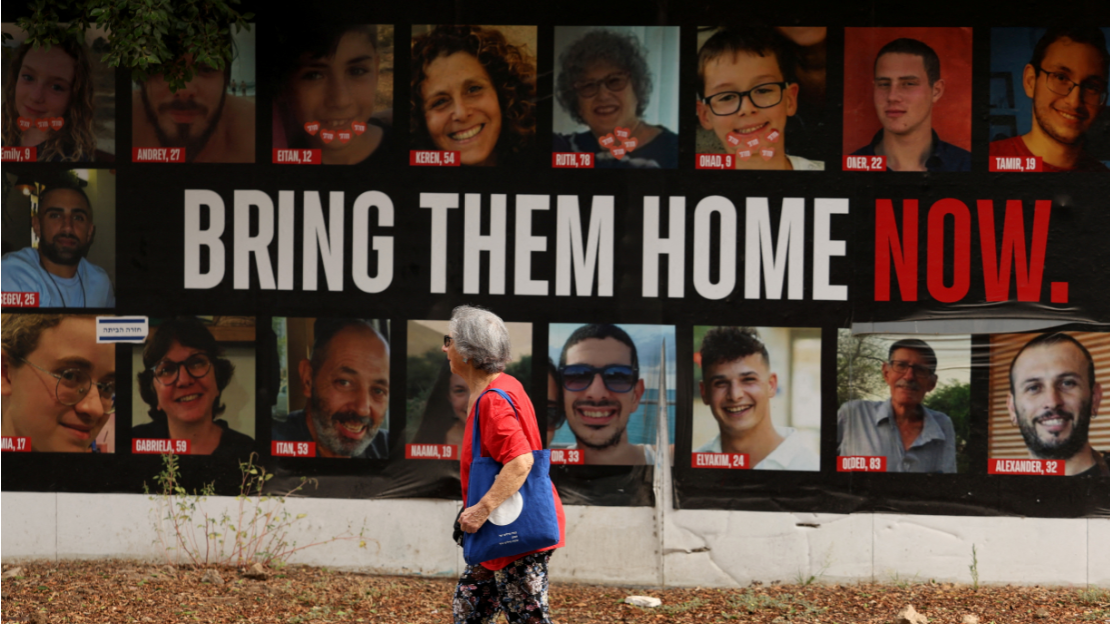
(607, 545)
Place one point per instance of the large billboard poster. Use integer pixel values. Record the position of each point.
(263, 259)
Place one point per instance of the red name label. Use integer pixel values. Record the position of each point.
(572, 160)
(159, 446)
(297, 157)
(1052, 467)
(857, 463)
(158, 154)
(20, 154)
(20, 299)
(293, 449)
(716, 161)
(433, 158)
(1016, 163)
(865, 163)
(736, 461)
(431, 451)
(10, 444)
(567, 456)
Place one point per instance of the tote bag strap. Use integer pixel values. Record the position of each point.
(476, 442)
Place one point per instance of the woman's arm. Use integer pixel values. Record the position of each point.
(506, 484)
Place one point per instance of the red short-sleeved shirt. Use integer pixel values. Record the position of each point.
(505, 438)
(1016, 147)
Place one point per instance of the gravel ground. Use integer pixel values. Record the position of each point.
(116, 591)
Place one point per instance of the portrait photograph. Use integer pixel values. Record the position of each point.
(61, 101)
(616, 89)
(906, 398)
(59, 391)
(59, 235)
(615, 383)
(195, 381)
(209, 119)
(1044, 402)
(334, 91)
(761, 95)
(757, 391)
(473, 92)
(1033, 73)
(907, 96)
(333, 385)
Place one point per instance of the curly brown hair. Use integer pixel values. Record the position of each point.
(76, 141)
(511, 69)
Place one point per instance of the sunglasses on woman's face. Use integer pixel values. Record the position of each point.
(618, 378)
(446, 340)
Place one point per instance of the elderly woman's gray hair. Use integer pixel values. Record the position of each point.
(623, 51)
(481, 337)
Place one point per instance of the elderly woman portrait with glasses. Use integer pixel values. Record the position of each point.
(59, 385)
(183, 376)
(604, 81)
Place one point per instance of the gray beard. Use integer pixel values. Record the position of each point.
(335, 442)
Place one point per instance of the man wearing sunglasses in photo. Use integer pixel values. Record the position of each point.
(1066, 79)
(600, 375)
(747, 92)
(738, 385)
(58, 384)
(912, 437)
(906, 88)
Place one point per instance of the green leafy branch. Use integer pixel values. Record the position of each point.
(257, 530)
(150, 37)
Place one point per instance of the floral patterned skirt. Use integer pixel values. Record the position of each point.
(519, 590)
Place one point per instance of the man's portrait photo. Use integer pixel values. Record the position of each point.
(1059, 77)
(905, 398)
(1046, 390)
(205, 117)
(334, 385)
(437, 400)
(904, 102)
(611, 377)
(58, 387)
(195, 381)
(59, 236)
(758, 392)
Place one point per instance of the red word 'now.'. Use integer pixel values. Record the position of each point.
(900, 250)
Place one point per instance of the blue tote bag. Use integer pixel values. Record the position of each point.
(526, 521)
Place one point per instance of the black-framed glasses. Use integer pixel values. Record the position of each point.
(166, 372)
(613, 82)
(619, 378)
(901, 366)
(447, 340)
(1091, 92)
(763, 95)
(74, 385)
